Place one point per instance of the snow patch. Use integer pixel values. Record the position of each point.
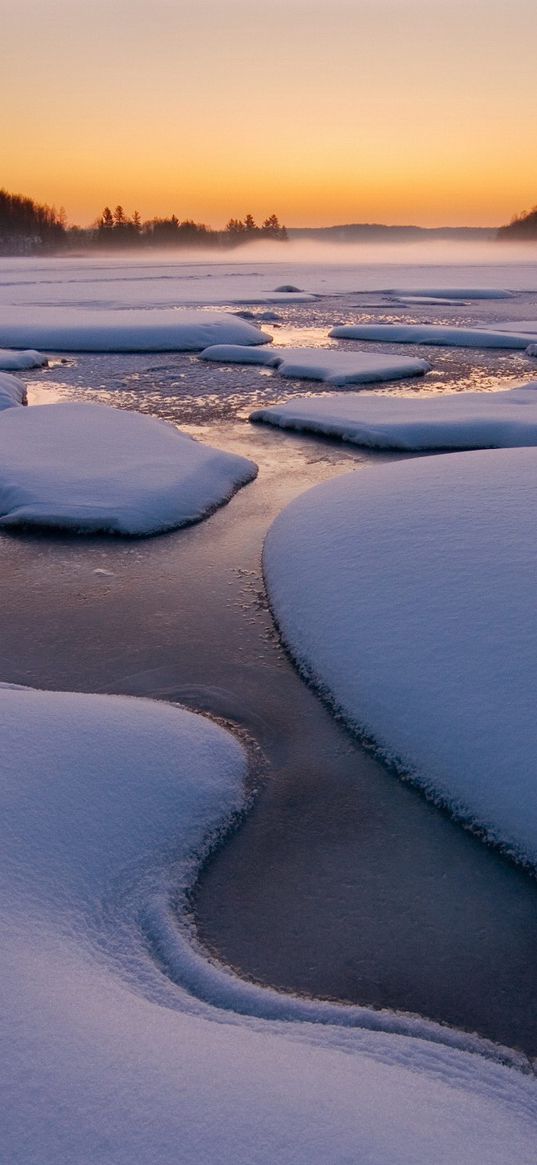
(120, 330)
(469, 420)
(106, 803)
(88, 467)
(17, 361)
(430, 334)
(406, 591)
(330, 365)
(12, 391)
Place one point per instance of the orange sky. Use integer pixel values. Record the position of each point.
(325, 111)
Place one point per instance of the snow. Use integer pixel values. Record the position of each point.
(406, 591)
(89, 467)
(451, 421)
(239, 354)
(12, 391)
(17, 361)
(518, 326)
(327, 364)
(107, 803)
(119, 330)
(531, 350)
(432, 294)
(427, 300)
(429, 334)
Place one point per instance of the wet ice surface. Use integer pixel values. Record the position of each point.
(341, 882)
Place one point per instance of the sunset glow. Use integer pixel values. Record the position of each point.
(393, 110)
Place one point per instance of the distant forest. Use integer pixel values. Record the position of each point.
(28, 228)
(522, 228)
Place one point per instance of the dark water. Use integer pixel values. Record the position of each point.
(342, 882)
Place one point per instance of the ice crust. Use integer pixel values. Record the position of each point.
(406, 591)
(12, 391)
(155, 330)
(89, 467)
(430, 334)
(327, 364)
(108, 1056)
(468, 420)
(17, 361)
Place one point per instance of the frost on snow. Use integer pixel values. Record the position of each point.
(407, 592)
(120, 330)
(451, 421)
(90, 467)
(17, 361)
(109, 1055)
(430, 334)
(330, 365)
(12, 391)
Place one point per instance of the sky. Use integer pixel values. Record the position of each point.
(322, 111)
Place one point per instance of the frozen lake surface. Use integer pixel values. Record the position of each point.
(341, 882)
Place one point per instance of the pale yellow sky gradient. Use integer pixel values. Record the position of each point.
(325, 111)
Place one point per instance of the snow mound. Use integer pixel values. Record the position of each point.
(336, 367)
(457, 421)
(89, 467)
(406, 591)
(328, 364)
(531, 350)
(106, 803)
(12, 391)
(121, 330)
(17, 361)
(455, 293)
(238, 354)
(289, 287)
(430, 334)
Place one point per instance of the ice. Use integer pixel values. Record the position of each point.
(529, 326)
(327, 364)
(407, 593)
(452, 421)
(107, 804)
(439, 301)
(17, 361)
(89, 467)
(429, 334)
(12, 391)
(118, 330)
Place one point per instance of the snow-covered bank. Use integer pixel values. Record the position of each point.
(12, 391)
(406, 592)
(327, 364)
(89, 467)
(430, 334)
(68, 329)
(106, 803)
(469, 420)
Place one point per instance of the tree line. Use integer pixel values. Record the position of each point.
(522, 228)
(28, 227)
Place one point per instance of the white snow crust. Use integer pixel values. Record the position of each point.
(89, 467)
(452, 421)
(407, 591)
(12, 391)
(430, 334)
(85, 330)
(109, 1056)
(327, 364)
(17, 361)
